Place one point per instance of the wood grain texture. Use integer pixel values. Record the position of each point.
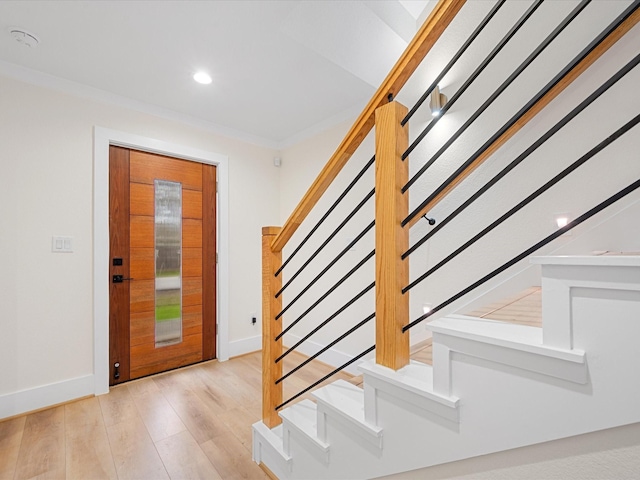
(133, 451)
(192, 203)
(192, 262)
(44, 439)
(536, 108)
(10, 439)
(271, 328)
(440, 17)
(146, 167)
(142, 262)
(392, 273)
(88, 454)
(191, 233)
(119, 246)
(183, 458)
(146, 359)
(141, 199)
(128, 432)
(158, 416)
(142, 232)
(209, 259)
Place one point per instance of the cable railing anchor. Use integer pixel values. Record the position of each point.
(432, 221)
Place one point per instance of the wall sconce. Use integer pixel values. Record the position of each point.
(561, 220)
(426, 308)
(437, 101)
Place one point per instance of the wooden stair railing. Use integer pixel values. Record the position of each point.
(275, 239)
(392, 222)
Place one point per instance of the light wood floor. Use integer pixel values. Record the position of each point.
(189, 423)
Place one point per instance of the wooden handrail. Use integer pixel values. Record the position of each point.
(574, 73)
(429, 33)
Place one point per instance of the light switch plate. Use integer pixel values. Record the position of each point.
(61, 244)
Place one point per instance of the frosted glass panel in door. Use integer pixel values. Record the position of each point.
(168, 264)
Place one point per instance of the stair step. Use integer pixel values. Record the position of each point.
(510, 344)
(302, 418)
(413, 384)
(345, 401)
(268, 448)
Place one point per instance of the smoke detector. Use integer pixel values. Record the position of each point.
(24, 37)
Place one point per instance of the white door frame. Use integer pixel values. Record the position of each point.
(102, 138)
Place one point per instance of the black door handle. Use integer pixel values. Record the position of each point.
(120, 278)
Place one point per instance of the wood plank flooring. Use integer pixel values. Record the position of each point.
(189, 423)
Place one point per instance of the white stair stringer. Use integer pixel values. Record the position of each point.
(493, 386)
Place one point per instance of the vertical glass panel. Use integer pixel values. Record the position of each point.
(168, 277)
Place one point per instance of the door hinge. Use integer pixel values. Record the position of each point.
(216, 258)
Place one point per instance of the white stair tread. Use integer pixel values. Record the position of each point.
(629, 260)
(273, 437)
(416, 377)
(518, 337)
(347, 400)
(303, 417)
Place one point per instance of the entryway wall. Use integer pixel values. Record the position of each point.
(47, 179)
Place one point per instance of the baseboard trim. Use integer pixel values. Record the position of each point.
(245, 345)
(45, 396)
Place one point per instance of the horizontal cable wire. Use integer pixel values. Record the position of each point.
(344, 365)
(328, 212)
(328, 239)
(472, 78)
(331, 290)
(552, 131)
(556, 80)
(326, 269)
(571, 168)
(516, 73)
(331, 317)
(453, 61)
(327, 347)
(598, 208)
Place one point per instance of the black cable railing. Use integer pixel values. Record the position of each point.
(489, 101)
(328, 375)
(351, 214)
(533, 147)
(512, 121)
(523, 19)
(590, 213)
(571, 168)
(550, 133)
(331, 264)
(357, 297)
(327, 213)
(327, 347)
(331, 290)
(485, 21)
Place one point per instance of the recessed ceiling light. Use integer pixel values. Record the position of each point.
(24, 37)
(202, 77)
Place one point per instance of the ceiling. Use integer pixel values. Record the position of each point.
(280, 69)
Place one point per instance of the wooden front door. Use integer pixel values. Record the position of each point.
(162, 224)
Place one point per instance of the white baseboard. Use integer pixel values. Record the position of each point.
(245, 345)
(16, 403)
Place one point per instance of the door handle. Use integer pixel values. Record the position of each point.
(120, 278)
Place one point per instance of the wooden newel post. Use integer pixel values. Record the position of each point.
(392, 273)
(271, 349)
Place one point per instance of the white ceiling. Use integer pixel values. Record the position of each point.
(279, 68)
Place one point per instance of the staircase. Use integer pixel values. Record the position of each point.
(493, 386)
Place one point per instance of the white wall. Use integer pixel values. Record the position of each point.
(602, 176)
(46, 141)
